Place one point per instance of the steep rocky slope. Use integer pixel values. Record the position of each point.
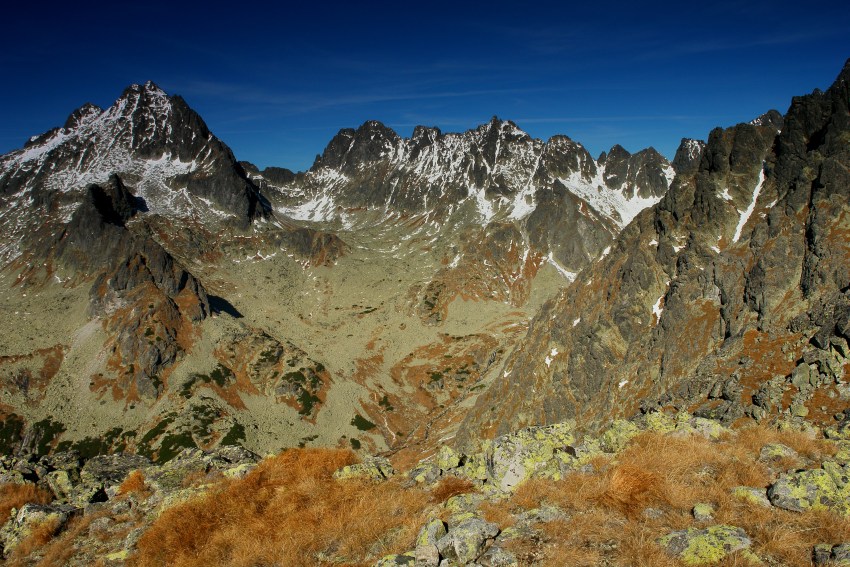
(728, 296)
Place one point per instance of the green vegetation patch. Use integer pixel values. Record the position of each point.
(93, 446)
(11, 430)
(385, 403)
(47, 431)
(172, 445)
(235, 436)
(362, 423)
(221, 376)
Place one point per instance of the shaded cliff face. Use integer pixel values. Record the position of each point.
(737, 277)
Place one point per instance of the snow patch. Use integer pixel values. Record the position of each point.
(658, 308)
(571, 276)
(551, 357)
(745, 215)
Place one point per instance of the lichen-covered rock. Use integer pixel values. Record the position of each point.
(30, 516)
(426, 472)
(467, 540)
(826, 488)
(618, 435)
(372, 468)
(60, 484)
(839, 432)
(427, 554)
(842, 453)
(448, 458)
(230, 461)
(659, 422)
(514, 458)
(497, 556)
(776, 451)
(474, 467)
(705, 546)
(752, 495)
(463, 503)
(111, 470)
(841, 554)
(703, 512)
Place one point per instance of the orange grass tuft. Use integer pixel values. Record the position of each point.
(451, 486)
(16, 495)
(288, 511)
(631, 488)
(135, 482)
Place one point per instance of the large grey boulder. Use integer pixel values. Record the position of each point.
(467, 540)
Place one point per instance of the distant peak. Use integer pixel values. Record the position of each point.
(82, 115)
(770, 118)
(149, 88)
(618, 151)
(374, 126)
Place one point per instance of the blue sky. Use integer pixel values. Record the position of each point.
(276, 83)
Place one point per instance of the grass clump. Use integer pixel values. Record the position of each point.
(451, 486)
(649, 490)
(288, 511)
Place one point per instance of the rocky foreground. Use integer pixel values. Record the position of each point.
(661, 489)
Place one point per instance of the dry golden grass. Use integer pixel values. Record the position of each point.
(40, 535)
(134, 483)
(671, 474)
(630, 489)
(62, 548)
(16, 495)
(451, 486)
(288, 511)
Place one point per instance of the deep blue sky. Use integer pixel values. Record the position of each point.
(276, 83)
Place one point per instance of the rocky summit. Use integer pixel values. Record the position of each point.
(491, 335)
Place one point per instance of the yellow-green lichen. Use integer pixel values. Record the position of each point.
(660, 422)
(618, 435)
(705, 546)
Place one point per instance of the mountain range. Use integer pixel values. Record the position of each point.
(406, 292)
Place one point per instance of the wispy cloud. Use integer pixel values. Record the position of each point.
(301, 102)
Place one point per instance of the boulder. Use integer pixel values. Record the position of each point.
(514, 458)
(705, 546)
(467, 540)
(756, 496)
(776, 451)
(703, 512)
(372, 468)
(27, 519)
(826, 488)
(427, 554)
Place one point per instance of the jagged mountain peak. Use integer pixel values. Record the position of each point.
(770, 118)
(159, 146)
(84, 114)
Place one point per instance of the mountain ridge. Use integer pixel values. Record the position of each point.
(470, 270)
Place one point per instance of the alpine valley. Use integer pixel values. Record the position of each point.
(407, 293)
